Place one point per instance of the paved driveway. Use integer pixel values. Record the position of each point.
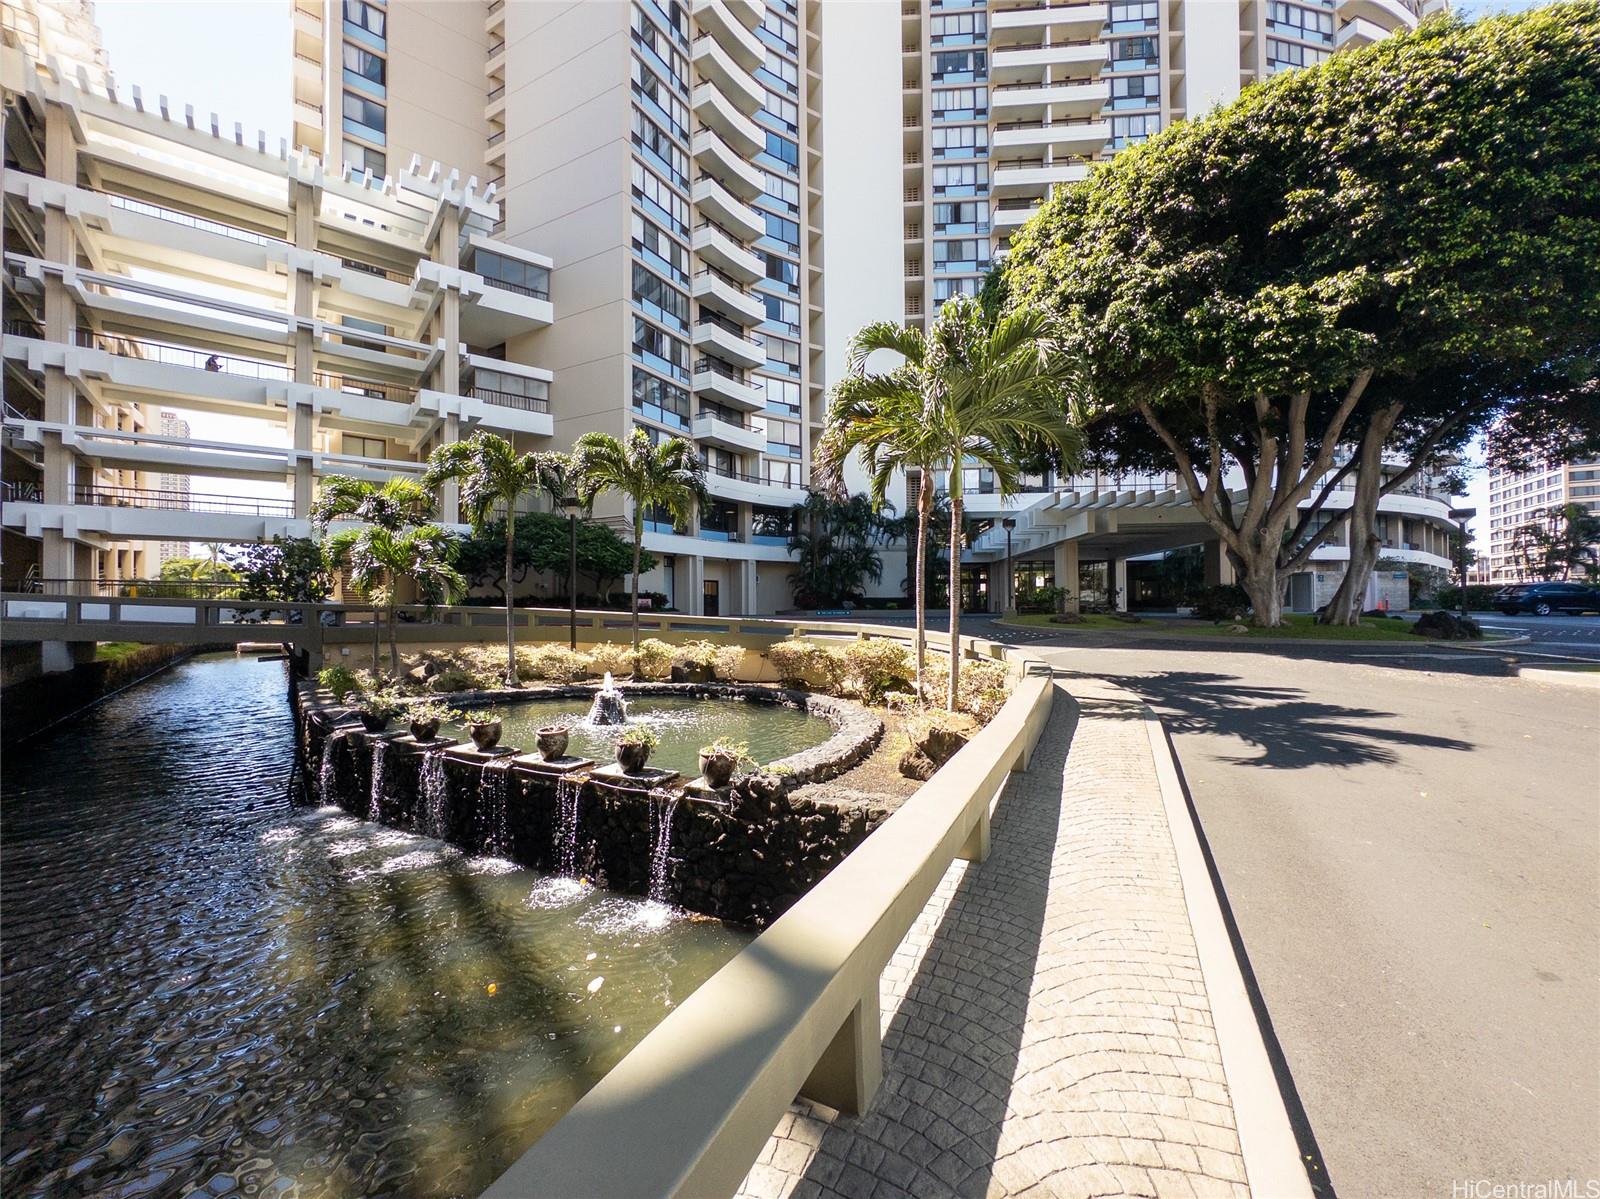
(1573, 636)
(1413, 860)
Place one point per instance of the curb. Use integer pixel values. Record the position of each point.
(1564, 678)
(1218, 642)
(1267, 1138)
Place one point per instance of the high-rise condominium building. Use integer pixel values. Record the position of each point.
(174, 484)
(667, 156)
(1519, 499)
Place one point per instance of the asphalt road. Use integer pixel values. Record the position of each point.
(1569, 636)
(1413, 860)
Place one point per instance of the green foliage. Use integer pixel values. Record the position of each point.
(395, 505)
(639, 735)
(381, 703)
(430, 709)
(1559, 543)
(610, 658)
(1480, 597)
(480, 716)
(194, 578)
(339, 680)
(541, 544)
(1041, 599)
(555, 663)
(655, 658)
(874, 666)
(1225, 602)
(291, 570)
(834, 546)
(807, 664)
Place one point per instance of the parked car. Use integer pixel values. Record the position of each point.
(1541, 599)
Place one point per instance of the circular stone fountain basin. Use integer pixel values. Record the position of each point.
(683, 723)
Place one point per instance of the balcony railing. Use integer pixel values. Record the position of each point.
(168, 355)
(510, 399)
(378, 391)
(101, 496)
(521, 289)
(726, 415)
(15, 491)
(495, 48)
(725, 472)
(718, 367)
(23, 327)
(173, 216)
(382, 272)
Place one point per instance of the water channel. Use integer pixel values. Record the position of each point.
(209, 989)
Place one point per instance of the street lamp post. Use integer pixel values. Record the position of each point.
(1011, 575)
(1461, 516)
(570, 504)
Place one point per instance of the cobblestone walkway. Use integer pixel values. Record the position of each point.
(1046, 1028)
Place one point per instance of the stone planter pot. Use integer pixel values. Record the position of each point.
(632, 756)
(425, 728)
(552, 741)
(373, 723)
(717, 768)
(485, 736)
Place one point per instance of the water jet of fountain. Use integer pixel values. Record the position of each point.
(432, 783)
(568, 788)
(493, 795)
(325, 769)
(663, 805)
(380, 757)
(609, 706)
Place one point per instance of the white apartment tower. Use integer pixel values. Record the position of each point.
(667, 156)
(1518, 499)
(175, 485)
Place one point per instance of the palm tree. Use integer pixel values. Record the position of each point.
(393, 506)
(668, 476)
(494, 476)
(378, 558)
(832, 541)
(880, 416)
(1002, 391)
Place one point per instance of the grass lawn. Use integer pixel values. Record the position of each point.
(1295, 627)
(115, 651)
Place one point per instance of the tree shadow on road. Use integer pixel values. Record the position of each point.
(1288, 731)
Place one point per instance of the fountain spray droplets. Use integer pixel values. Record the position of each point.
(435, 795)
(609, 706)
(494, 788)
(663, 805)
(380, 757)
(325, 769)
(568, 790)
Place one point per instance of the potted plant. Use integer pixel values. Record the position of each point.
(426, 718)
(552, 741)
(376, 709)
(721, 758)
(484, 728)
(634, 748)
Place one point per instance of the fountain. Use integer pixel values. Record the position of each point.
(493, 796)
(379, 758)
(435, 795)
(663, 805)
(609, 706)
(325, 770)
(568, 788)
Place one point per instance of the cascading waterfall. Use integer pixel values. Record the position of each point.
(568, 788)
(435, 794)
(663, 805)
(493, 792)
(380, 758)
(325, 769)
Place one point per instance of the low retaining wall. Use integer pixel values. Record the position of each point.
(746, 858)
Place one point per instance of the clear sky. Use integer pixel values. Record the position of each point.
(241, 71)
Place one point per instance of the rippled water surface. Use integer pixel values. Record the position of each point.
(683, 725)
(210, 990)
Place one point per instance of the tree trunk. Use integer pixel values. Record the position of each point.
(920, 584)
(1263, 584)
(638, 547)
(1346, 605)
(394, 640)
(955, 586)
(511, 634)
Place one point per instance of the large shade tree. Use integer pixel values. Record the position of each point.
(669, 477)
(494, 478)
(834, 542)
(1238, 285)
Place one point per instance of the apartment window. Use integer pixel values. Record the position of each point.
(943, 289)
(783, 356)
(966, 179)
(782, 149)
(365, 22)
(783, 230)
(770, 526)
(958, 29)
(671, 14)
(364, 70)
(660, 299)
(960, 66)
(785, 474)
(780, 32)
(365, 118)
(960, 141)
(659, 250)
(1135, 91)
(1125, 131)
(960, 103)
(964, 254)
(1283, 56)
(784, 313)
(657, 95)
(783, 437)
(784, 190)
(1134, 17)
(661, 350)
(657, 146)
(782, 395)
(780, 73)
(781, 270)
(506, 386)
(966, 216)
(512, 273)
(362, 447)
(364, 158)
(1314, 25)
(659, 49)
(782, 112)
(660, 201)
(1133, 53)
(656, 399)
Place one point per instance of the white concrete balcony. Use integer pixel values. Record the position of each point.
(734, 348)
(716, 19)
(723, 385)
(1028, 64)
(716, 65)
(726, 296)
(1359, 32)
(741, 488)
(98, 514)
(718, 248)
(1072, 137)
(1009, 218)
(710, 104)
(1389, 15)
(717, 203)
(492, 409)
(711, 429)
(308, 78)
(1036, 101)
(1069, 20)
(1036, 177)
(725, 164)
